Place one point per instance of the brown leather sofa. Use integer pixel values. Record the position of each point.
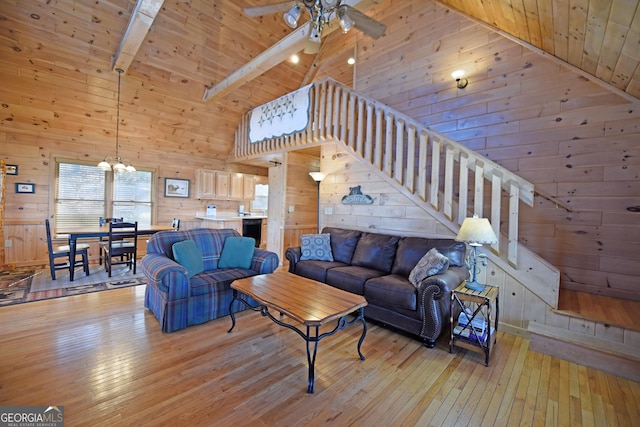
(377, 266)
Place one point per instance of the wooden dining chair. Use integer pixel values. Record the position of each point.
(82, 249)
(103, 240)
(121, 245)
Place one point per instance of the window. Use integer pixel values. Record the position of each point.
(261, 198)
(84, 193)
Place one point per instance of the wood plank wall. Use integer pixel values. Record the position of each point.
(302, 196)
(575, 139)
(59, 99)
(393, 213)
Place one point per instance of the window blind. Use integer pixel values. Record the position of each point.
(84, 193)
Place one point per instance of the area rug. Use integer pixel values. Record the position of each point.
(15, 287)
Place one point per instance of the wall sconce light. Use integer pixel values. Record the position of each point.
(458, 75)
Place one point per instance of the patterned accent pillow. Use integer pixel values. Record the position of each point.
(432, 263)
(316, 247)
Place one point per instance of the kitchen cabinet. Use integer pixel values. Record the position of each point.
(249, 186)
(205, 184)
(235, 224)
(222, 185)
(236, 186)
(212, 184)
(263, 243)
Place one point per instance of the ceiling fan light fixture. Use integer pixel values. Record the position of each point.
(313, 44)
(345, 22)
(292, 16)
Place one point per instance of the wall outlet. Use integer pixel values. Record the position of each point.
(8, 243)
(292, 209)
(328, 211)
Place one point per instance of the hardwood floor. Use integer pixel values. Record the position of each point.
(102, 356)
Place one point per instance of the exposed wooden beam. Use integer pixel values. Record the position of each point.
(274, 55)
(268, 59)
(140, 21)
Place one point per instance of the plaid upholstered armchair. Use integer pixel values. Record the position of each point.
(189, 274)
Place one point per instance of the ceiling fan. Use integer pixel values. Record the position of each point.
(320, 12)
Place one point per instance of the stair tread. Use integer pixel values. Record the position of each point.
(584, 340)
(601, 308)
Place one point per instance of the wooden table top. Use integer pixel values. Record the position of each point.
(307, 301)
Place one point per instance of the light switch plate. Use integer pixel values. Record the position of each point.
(292, 209)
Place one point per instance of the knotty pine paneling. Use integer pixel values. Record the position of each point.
(530, 113)
(535, 116)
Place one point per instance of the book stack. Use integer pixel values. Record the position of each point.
(476, 329)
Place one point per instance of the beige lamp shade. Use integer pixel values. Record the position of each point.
(476, 231)
(317, 176)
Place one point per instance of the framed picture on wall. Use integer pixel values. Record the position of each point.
(24, 187)
(174, 187)
(12, 169)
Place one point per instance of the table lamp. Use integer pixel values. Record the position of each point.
(476, 231)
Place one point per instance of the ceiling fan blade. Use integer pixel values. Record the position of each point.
(268, 9)
(367, 25)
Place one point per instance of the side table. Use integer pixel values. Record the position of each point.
(478, 327)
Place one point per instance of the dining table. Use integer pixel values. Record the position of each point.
(87, 232)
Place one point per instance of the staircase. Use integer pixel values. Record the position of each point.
(445, 178)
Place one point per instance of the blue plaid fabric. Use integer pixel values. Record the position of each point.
(177, 301)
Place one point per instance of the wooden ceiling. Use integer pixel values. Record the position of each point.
(59, 55)
(602, 38)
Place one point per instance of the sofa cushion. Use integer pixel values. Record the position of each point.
(315, 247)
(431, 264)
(187, 254)
(375, 251)
(343, 243)
(351, 278)
(392, 291)
(216, 281)
(237, 252)
(410, 251)
(316, 270)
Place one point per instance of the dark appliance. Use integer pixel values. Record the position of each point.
(252, 227)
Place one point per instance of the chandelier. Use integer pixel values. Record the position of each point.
(115, 163)
(322, 11)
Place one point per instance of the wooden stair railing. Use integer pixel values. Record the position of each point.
(422, 161)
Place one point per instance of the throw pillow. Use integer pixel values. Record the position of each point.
(316, 247)
(237, 252)
(432, 263)
(187, 254)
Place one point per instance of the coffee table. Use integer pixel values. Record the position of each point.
(311, 303)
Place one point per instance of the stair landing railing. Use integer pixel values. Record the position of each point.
(423, 162)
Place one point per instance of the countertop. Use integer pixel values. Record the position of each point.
(230, 217)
